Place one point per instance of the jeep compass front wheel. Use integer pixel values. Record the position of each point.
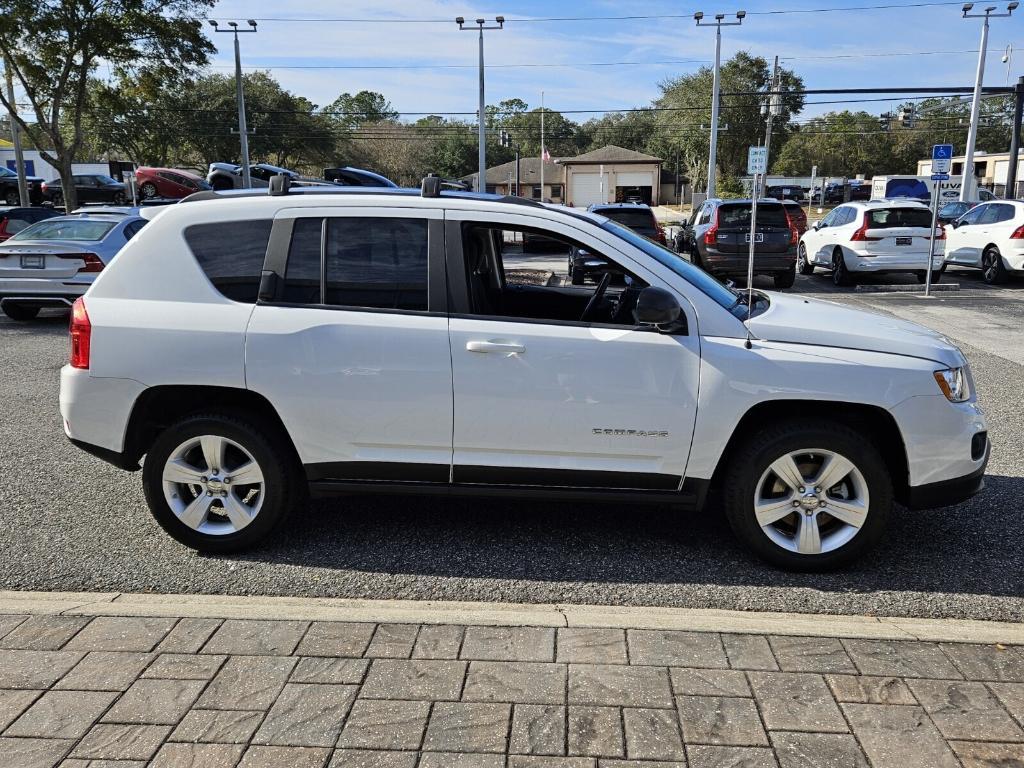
(217, 483)
(808, 496)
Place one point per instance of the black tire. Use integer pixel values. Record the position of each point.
(785, 279)
(11, 197)
(281, 479)
(148, 190)
(841, 276)
(20, 312)
(756, 454)
(118, 198)
(802, 264)
(922, 276)
(992, 268)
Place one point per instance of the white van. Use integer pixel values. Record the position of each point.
(921, 188)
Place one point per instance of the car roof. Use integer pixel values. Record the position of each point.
(888, 202)
(599, 206)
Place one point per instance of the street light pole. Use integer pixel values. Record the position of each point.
(967, 191)
(243, 130)
(1010, 190)
(716, 86)
(481, 182)
(19, 157)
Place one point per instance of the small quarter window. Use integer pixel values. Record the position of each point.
(231, 254)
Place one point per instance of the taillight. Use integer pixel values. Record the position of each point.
(43, 186)
(80, 334)
(711, 236)
(940, 233)
(794, 234)
(861, 236)
(660, 234)
(93, 263)
(1018, 233)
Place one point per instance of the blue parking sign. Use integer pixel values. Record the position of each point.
(942, 158)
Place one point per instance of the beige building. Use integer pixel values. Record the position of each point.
(607, 175)
(991, 169)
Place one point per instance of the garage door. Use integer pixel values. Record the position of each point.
(634, 179)
(586, 190)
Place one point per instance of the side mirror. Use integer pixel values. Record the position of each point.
(817, 225)
(955, 223)
(658, 308)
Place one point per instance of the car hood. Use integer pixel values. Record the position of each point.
(798, 320)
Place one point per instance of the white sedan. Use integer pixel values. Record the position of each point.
(989, 237)
(876, 237)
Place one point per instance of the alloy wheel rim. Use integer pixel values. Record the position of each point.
(801, 257)
(989, 265)
(213, 485)
(811, 501)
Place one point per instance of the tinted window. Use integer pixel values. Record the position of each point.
(377, 263)
(884, 218)
(132, 228)
(996, 213)
(15, 224)
(302, 275)
(642, 221)
(737, 215)
(231, 254)
(705, 215)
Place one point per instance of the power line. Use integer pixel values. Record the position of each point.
(565, 19)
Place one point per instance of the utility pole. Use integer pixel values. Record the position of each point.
(774, 107)
(481, 184)
(543, 152)
(967, 191)
(19, 157)
(505, 139)
(243, 130)
(1010, 192)
(716, 86)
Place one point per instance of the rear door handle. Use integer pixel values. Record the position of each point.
(495, 346)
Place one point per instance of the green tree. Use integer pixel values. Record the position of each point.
(53, 47)
(349, 112)
(684, 116)
(632, 130)
(840, 144)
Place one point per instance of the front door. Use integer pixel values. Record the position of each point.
(554, 389)
(965, 240)
(352, 348)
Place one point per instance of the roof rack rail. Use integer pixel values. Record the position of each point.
(280, 183)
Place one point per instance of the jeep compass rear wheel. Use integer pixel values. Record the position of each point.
(808, 496)
(216, 483)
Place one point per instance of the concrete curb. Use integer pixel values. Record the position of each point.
(508, 614)
(900, 288)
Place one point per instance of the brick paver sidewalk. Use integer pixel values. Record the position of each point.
(78, 692)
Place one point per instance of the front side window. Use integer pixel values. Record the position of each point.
(360, 262)
(996, 213)
(974, 215)
(525, 274)
(231, 255)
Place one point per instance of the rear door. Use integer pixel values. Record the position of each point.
(352, 345)
(772, 235)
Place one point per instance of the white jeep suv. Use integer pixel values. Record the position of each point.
(874, 237)
(254, 346)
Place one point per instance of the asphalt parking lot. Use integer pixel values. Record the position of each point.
(72, 522)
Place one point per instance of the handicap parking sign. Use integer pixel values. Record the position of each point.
(942, 158)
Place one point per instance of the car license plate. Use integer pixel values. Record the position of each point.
(33, 261)
(758, 237)
(904, 241)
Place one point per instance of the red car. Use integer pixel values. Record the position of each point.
(167, 183)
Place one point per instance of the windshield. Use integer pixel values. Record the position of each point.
(6, 172)
(642, 220)
(695, 276)
(66, 229)
(106, 179)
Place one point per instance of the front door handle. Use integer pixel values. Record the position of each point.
(495, 346)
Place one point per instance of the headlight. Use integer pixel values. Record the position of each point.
(953, 383)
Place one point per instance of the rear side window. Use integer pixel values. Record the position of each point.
(368, 262)
(732, 215)
(885, 218)
(231, 254)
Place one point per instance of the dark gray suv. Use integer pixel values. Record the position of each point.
(717, 239)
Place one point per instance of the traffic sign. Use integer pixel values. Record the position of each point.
(940, 177)
(757, 160)
(942, 158)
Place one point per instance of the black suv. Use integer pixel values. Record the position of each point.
(90, 188)
(786, 192)
(717, 239)
(9, 187)
(636, 216)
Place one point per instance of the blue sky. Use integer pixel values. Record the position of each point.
(442, 77)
